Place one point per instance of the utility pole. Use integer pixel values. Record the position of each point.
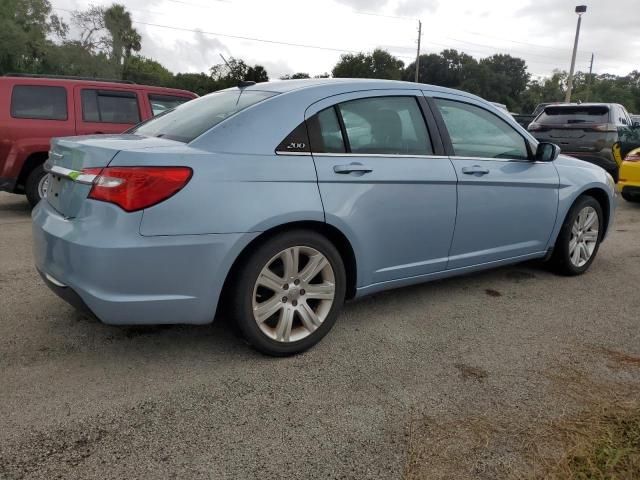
(580, 9)
(418, 54)
(589, 80)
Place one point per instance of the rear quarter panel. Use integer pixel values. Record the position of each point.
(230, 193)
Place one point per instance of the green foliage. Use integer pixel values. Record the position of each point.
(25, 28)
(379, 64)
(199, 83)
(105, 45)
(295, 76)
(146, 71)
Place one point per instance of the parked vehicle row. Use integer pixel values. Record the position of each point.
(34, 109)
(280, 200)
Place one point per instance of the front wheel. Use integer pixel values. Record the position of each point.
(579, 237)
(289, 292)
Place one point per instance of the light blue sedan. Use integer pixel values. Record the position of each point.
(284, 199)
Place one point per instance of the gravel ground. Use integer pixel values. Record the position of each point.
(404, 386)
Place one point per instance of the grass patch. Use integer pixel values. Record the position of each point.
(600, 445)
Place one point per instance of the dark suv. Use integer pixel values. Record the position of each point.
(586, 131)
(33, 109)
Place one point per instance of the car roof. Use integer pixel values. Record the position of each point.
(43, 80)
(349, 84)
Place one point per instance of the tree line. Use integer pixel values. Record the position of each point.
(105, 44)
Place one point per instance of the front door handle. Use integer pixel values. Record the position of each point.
(475, 170)
(354, 167)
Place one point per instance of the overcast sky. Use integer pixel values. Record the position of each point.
(540, 31)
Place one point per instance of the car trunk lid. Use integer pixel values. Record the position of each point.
(71, 157)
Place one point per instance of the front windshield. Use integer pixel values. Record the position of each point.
(191, 119)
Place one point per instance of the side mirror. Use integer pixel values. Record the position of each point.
(547, 152)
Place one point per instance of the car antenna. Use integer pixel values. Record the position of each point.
(241, 83)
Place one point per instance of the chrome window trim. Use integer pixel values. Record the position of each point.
(293, 153)
(381, 155)
(489, 159)
(75, 175)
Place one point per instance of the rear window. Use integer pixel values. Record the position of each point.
(574, 114)
(39, 102)
(191, 119)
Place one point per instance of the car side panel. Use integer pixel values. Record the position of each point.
(230, 193)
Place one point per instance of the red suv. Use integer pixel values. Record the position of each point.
(33, 109)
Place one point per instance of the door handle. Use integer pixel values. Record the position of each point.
(354, 167)
(475, 170)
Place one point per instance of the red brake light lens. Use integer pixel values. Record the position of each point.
(135, 188)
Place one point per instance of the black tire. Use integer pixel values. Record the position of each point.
(560, 260)
(244, 280)
(630, 198)
(31, 185)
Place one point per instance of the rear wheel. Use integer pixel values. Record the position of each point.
(579, 237)
(289, 292)
(36, 185)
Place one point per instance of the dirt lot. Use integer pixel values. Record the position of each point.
(463, 378)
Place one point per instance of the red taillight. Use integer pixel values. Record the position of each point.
(135, 188)
(604, 127)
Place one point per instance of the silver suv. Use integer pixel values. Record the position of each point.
(586, 131)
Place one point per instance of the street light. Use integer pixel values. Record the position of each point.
(580, 9)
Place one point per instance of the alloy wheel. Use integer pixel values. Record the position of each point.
(293, 294)
(43, 186)
(584, 236)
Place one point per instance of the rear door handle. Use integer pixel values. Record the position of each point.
(475, 170)
(354, 167)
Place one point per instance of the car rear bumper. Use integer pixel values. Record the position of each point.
(124, 278)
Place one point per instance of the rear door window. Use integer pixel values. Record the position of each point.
(39, 102)
(162, 103)
(192, 119)
(385, 126)
(325, 134)
(110, 106)
(566, 115)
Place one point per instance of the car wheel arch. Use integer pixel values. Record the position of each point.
(603, 199)
(333, 234)
(31, 162)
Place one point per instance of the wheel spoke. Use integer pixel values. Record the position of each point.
(572, 245)
(270, 280)
(264, 310)
(320, 291)
(575, 255)
(313, 267)
(584, 253)
(310, 320)
(590, 219)
(590, 236)
(575, 229)
(290, 258)
(283, 330)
